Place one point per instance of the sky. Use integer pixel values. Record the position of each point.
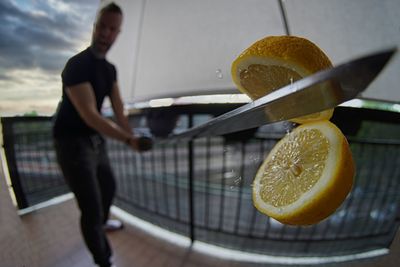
(36, 39)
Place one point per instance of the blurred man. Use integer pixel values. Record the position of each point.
(78, 128)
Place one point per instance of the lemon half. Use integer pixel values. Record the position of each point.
(276, 61)
(306, 176)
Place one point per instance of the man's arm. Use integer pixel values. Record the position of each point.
(118, 108)
(84, 101)
(140, 143)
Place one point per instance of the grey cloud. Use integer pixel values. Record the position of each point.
(29, 40)
(4, 76)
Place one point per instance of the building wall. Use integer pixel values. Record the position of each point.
(186, 47)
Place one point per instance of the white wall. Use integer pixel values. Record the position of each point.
(124, 52)
(178, 47)
(185, 46)
(351, 28)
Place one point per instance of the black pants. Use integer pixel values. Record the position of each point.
(85, 165)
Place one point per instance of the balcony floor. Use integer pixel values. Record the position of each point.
(56, 242)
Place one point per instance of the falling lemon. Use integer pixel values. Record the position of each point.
(276, 61)
(306, 176)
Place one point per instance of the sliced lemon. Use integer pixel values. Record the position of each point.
(276, 61)
(306, 176)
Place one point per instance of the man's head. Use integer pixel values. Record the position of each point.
(106, 28)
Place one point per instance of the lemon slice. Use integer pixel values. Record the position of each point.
(306, 176)
(276, 61)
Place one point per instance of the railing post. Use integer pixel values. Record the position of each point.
(191, 177)
(9, 150)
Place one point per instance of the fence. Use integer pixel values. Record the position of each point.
(202, 188)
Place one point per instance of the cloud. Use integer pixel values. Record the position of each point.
(37, 38)
(44, 36)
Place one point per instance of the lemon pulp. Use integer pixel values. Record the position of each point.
(295, 168)
(264, 79)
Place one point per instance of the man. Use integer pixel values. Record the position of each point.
(78, 128)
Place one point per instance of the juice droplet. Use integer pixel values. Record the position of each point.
(219, 74)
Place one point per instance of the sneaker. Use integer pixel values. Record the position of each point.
(113, 225)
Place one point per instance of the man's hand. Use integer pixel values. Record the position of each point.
(140, 144)
(145, 143)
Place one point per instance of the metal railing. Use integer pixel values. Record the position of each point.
(201, 188)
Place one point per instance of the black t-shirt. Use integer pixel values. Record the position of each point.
(83, 67)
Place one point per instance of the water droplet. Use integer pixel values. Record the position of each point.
(219, 74)
(237, 181)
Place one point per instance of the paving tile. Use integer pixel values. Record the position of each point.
(50, 237)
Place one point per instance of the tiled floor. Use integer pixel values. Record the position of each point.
(55, 241)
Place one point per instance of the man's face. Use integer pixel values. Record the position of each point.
(106, 31)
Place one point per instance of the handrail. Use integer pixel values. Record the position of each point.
(202, 188)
